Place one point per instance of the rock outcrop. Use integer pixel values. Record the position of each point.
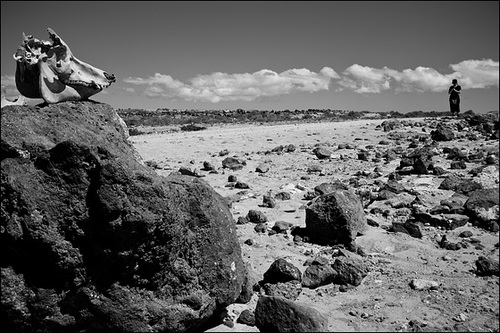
(94, 240)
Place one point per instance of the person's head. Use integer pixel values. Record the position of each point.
(454, 81)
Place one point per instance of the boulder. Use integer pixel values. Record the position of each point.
(262, 168)
(335, 218)
(317, 275)
(460, 185)
(277, 314)
(325, 188)
(282, 271)
(482, 205)
(233, 163)
(408, 227)
(93, 240)
(442, 133)
(487, 266)
(350, 270)
(322, 153)
(256, 216)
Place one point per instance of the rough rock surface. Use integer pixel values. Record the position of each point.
(277, 314)
(95, 240)
(335, 218)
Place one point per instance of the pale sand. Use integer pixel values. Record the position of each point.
(384, 301)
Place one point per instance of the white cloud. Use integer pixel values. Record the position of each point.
(470, 74)
(217, 87)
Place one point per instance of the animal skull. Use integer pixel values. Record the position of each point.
(49, 70)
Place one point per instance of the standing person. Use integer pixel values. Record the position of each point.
(454, 92)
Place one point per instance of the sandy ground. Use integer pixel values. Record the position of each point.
(384, 301)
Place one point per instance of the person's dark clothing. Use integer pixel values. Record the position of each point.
(454, 99)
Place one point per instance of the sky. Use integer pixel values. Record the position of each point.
(354, 55)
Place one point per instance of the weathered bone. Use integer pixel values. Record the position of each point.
(21, 100)
(49, 70)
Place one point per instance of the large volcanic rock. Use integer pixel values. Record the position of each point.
(336, 218)
(93, 240)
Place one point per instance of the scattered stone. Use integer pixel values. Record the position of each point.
(282, 271)
(463, 186)
(233, 163)
(262, 168)
(268, 201)
(318, 274)
(246, 317)
(241, 185)
(421, 284)
(260, 228)
(458, 165)
(322, 153)
(350, 270)
(224, 152)
(487, 266)
(335, 218)
(413, 229)
(242, 220)
(290, 290)
(277, 314)
(282, 226)
(482, 206)
(256, 216)
(465, 234)
(325, 188)
(442, 133)
(283, 196)
(232, 179)
(207, 166)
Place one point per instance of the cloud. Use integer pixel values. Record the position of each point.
(470, 73)
(218, 86)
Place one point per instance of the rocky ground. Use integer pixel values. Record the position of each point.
(366, 156)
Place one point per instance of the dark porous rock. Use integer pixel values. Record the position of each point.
(325, 188)
(282, 271)
(290, 290)
(394, 186)
(460, 185)
(224, 152)
(318, 274)
(364, 155)
(445, 221)
(256, 216)
(242, 220)
(106, 244)
(458, 165)
(268, 201)
(262, 168)
(322, 153)
(283, 196)
(241, 185)
(482, 206)
(246, 317)
(444, 243)
(350, 270)
(315, 168)
(411, 228)
(260, 228)
(487, 266)
(438, 171)
(207, 166)
(233, 163)
(335, 218)
(282, 226)
(232, 179)
(442, 133)
(392, 124)
(465, 234)
(277, 314)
